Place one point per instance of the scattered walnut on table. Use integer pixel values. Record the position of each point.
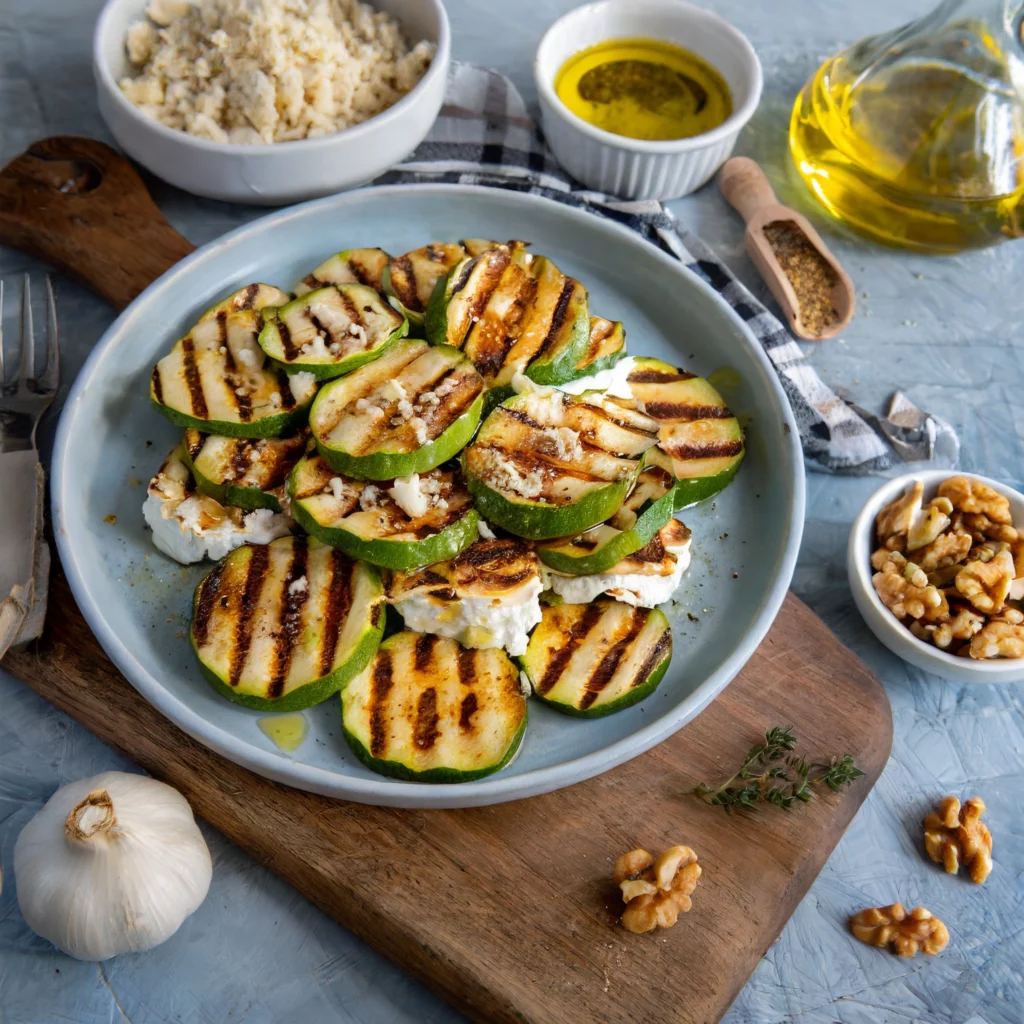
(906, 933)
(656, 891)
(955, 835)
(987, 584)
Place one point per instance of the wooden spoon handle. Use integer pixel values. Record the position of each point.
(82, 207)
(745, 186)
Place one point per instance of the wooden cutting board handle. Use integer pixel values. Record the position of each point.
(77, 204)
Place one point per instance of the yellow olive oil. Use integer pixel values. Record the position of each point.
(922, 155)
(286, 731)
(644, 89)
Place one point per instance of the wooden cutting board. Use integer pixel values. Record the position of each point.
(508, 912)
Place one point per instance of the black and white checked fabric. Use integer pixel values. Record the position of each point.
(484, 136)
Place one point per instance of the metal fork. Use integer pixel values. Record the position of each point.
(24, 399)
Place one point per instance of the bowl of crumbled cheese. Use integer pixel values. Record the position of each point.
(270, 101)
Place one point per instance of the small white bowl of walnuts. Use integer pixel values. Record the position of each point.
(936, 566)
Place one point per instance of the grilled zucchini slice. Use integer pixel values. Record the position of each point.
(216, 379)
(351, 266)
(245, 472)
(283, 626)
(410, 279)
(645, 511)
(697, 430)
(511, 312)
(546, 464)
(594, 659)
(606, 346)
(427, 710)
(364, 521)
(406, 412)
(331, 330)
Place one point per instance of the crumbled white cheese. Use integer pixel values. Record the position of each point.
(405, 409)
(481, 622)
(240, 71)
(303, 386)
(485, 532)
(419, 428)
(613, 382)
(637, 589)
(525, 685)
(409, 496)
(507, 476)
(299, 586)
(370, 497)
(393, 391)
(178, 529)
(335, 485)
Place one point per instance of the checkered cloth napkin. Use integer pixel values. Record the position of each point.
(484, 136)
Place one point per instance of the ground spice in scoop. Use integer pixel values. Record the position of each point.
(810, 274)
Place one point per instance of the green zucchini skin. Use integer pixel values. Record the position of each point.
(324, 518)
(626, 650)
(350, 266)
(581, 559)
(409, 279)
(229, 602)
(202, 451)
(697, 430)
(289, 328)
(562, 491)
(428, 710)
(606, 346)
(386, 450)
(215, 379)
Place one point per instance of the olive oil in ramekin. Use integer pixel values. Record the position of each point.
(644, 89)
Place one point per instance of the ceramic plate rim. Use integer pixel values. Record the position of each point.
(387, 792)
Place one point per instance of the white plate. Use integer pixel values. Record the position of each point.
(110, 440)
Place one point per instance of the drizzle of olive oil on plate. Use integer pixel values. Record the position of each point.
(287, 732)
(644, 89)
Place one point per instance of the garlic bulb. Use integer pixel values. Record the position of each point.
(111, 864)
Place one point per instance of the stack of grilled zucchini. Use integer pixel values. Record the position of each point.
(398, 408)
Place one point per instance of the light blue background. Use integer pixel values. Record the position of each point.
(947, 331)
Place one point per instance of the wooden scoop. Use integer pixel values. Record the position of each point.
(745, 187)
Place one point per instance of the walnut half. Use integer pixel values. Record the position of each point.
(656, 891)
(905, 933)
(955, 835)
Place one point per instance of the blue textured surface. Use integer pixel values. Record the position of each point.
(944, 330)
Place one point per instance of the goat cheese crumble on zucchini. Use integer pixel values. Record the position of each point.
(486, 597)
(644, 579)
(189, 526)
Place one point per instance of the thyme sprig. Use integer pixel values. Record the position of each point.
(771, 773)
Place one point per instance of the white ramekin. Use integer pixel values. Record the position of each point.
(634, 168)
(284, 172)
(883, 623)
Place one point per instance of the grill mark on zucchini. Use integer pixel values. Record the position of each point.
(405, 287)
(725, 449)
(222, 331)
(290, 621)
(426, 731)
(381, 688)
(158, 387)
(538, 462)
(577, 634)
(654, 657)
(466, 712)
(434, 254)
(339, 598)
(311, 281)
(196, 398)
(658, 377)
(248, 296)
(287, 345)
(243, 402)
(557, 317)
(287, 398)
(600, 330)
(466, 666)
(204, 607)
(259, 561)
(359, 272)
(239, 460)
(609, 664)
(679, 412)
(460, 282)
(423, 651)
